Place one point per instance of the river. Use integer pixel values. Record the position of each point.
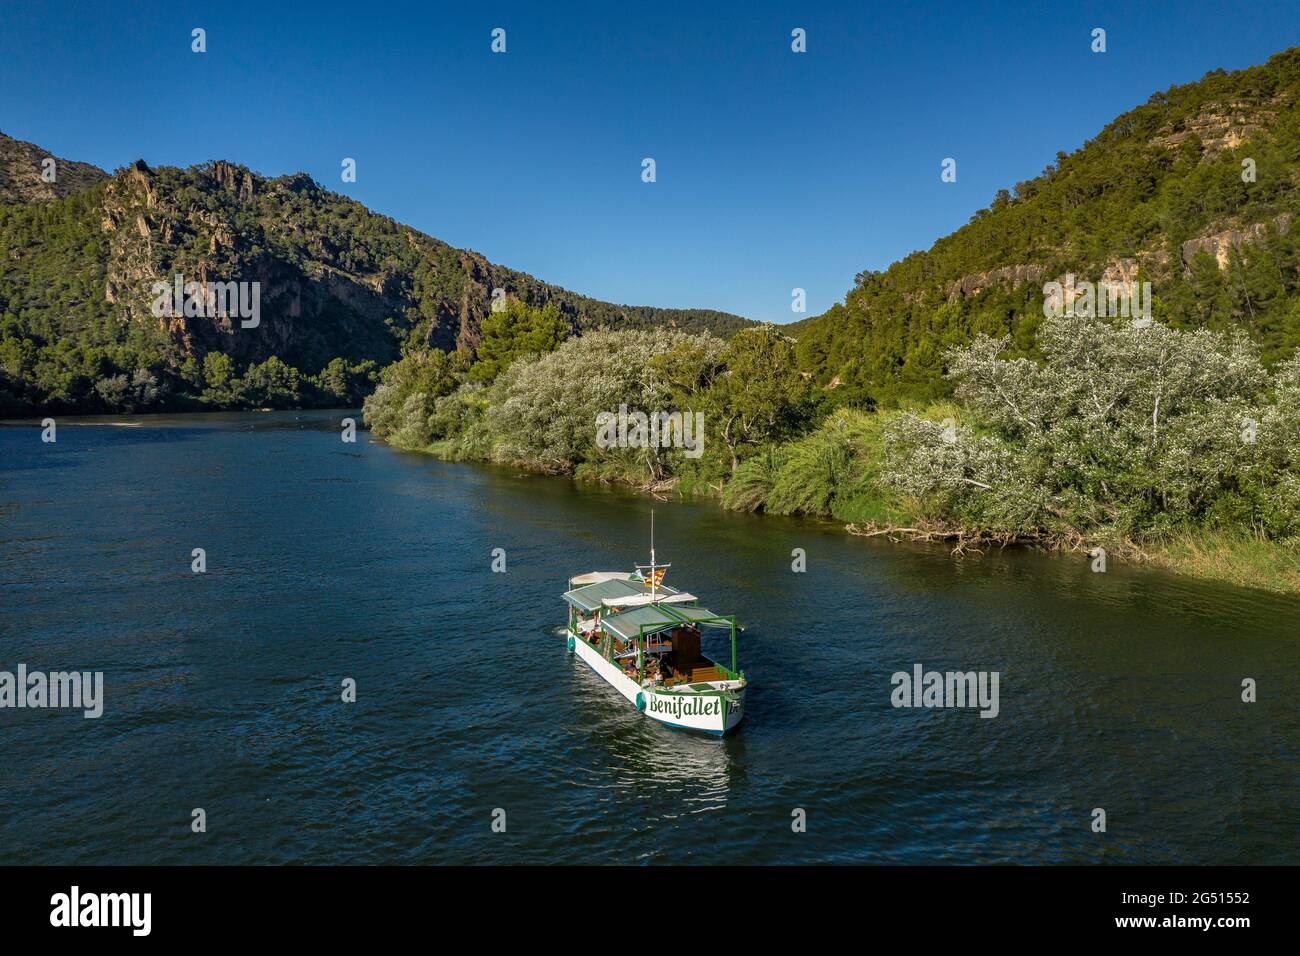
(327, 560)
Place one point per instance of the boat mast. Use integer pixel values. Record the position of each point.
(641, 650)
(652, 556)
(654, 566)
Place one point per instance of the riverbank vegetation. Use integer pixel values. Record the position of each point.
(541, 410)
(108, 379)
(1177, 448)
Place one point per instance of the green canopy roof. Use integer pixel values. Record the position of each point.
(699, 615)
(630, 624)
(589, 597)
(592, 596)
(654, 618)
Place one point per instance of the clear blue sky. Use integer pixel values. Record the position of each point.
(775, 169)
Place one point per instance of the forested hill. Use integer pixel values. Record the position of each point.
(340, 286)
(1162, 194)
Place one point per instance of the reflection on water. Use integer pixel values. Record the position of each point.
(644, 753)
(329, 560)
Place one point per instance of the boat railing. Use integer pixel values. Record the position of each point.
(728, 673)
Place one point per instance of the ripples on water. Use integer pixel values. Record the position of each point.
(328, 560)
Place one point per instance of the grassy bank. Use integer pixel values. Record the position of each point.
(1229, 557)
(1232, 557)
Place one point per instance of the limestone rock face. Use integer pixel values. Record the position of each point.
(1120, 272)
(1218, 127)
(1220, 244)
(234, 179)
(1007, 275)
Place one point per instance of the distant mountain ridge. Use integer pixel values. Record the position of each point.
(78, 261)
(26, 178)
(1196, 191)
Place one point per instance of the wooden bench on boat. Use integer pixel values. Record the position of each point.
(696, 672)
(688, 665)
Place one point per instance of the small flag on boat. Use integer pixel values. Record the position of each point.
(655, 577)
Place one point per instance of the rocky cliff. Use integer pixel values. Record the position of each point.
(334, 280)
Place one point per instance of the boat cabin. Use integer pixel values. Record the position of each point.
(652, 634)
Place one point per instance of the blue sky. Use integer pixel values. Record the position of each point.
(775, 170)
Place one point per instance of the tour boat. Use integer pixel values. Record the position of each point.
(643, 639)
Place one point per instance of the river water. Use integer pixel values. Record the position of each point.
(327, 561)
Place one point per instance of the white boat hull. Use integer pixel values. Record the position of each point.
(714, 712)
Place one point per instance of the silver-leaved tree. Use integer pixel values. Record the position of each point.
(1122, 430)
